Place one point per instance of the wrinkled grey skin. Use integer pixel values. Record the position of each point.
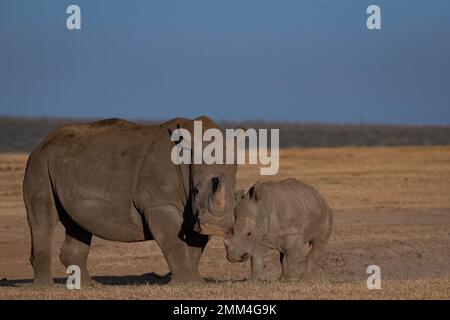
(115, 179)
(283, 216)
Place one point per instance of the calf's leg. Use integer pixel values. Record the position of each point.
(314, 258)
(292, 252)
(257, 264)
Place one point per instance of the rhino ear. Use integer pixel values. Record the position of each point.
(256, 192)
(238, 195)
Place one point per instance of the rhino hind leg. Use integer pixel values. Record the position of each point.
(75, 251)
(42, 218)
(41, 244)
(290, 258)
(76, 245)
(315, 259)
(182, 251)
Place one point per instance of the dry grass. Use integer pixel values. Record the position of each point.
(368, 178)
(392, 209)
(391, 289)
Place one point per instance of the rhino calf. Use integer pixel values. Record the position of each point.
(283, 216)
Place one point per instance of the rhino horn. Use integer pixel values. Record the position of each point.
(217, 200)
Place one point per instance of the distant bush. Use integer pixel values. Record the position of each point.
(24, 134)
(339, 135)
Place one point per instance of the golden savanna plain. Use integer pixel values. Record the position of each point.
(391, 209)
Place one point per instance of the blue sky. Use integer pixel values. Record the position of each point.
(307, 61)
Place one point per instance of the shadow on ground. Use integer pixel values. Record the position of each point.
(144, 279)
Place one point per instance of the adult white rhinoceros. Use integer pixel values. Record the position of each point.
(115, 179)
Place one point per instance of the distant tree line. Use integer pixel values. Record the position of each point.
(24, 134)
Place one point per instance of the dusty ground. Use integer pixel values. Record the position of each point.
(392, 209)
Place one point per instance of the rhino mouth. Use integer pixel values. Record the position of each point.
(216, 204)
(242, 258)
(210, 224)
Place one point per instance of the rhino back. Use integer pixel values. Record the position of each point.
(297, 208)
(104, 172)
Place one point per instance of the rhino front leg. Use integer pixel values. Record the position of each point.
(181, 248)
(257, 264)
(291, 257)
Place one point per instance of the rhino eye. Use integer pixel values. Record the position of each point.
(195, 190)
(215, 183)
(249, 234)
